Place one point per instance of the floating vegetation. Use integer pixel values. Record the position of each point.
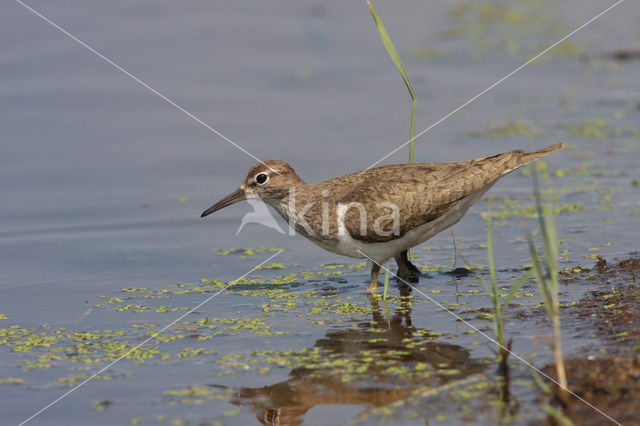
(516, 28)
(11, 381)
(243, 253)
(351, 266)
(505, 208)
(272, 266)
(511, 129)
(365, 345)
(423, 53)
(599, 129)
(514, 128)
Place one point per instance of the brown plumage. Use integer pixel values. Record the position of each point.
(378, 213)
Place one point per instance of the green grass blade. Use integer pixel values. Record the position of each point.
(552, 256)
(411, 132)
(496, 326)
(549, 240)
(485, 285)
(541, 278)
(557, 415)
(395, 57)
(498, 331)
(537, 196)
(545, 388)
(386, 284)
(492, 266)
(498, 320)
(516, 288)
(393, 53)
(547, 229)
(548, 279)
(387, 314)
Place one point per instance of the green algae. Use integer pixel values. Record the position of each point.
(348, 266)
(514, 128)
(506, 207)
(521, 28)
(423, 54)
(192, 352)
(599, 129)
(76, 378)
(243, 253)
(381, 357)
(379, 363)
(11, 381)
(192, 391)
(272, 266)
(101, 405)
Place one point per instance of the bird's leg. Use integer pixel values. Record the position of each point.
(407, 271)
(373, 282)
(413, 268)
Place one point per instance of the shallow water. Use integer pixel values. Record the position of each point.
(103, 183)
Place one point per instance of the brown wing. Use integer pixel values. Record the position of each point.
(423, 192)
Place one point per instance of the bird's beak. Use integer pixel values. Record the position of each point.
(234, 197)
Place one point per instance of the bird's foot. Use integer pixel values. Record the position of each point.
(407, 275)
(407, 271)
(413, 268)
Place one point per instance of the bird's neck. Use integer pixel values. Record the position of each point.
(296, 204)
(287, 202)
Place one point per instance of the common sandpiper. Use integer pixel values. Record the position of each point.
(378, 213)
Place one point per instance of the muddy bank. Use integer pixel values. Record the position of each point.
(610, 379)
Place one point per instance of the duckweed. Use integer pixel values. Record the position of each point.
(11, 381)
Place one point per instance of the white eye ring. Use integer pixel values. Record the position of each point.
(261, 178)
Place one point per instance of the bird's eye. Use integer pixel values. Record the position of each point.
(261, 178)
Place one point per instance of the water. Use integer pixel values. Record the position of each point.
(103, 181)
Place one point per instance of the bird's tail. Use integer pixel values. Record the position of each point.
(532, 156)
(513, 160)
(476, 174)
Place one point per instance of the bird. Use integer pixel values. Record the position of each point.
(378, 213)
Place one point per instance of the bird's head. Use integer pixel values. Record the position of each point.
(269, 181)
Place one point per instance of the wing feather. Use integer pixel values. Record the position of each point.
(421, 192)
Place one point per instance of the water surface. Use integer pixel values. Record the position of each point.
(103, 182)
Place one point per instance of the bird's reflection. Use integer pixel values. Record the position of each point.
(387, 337)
